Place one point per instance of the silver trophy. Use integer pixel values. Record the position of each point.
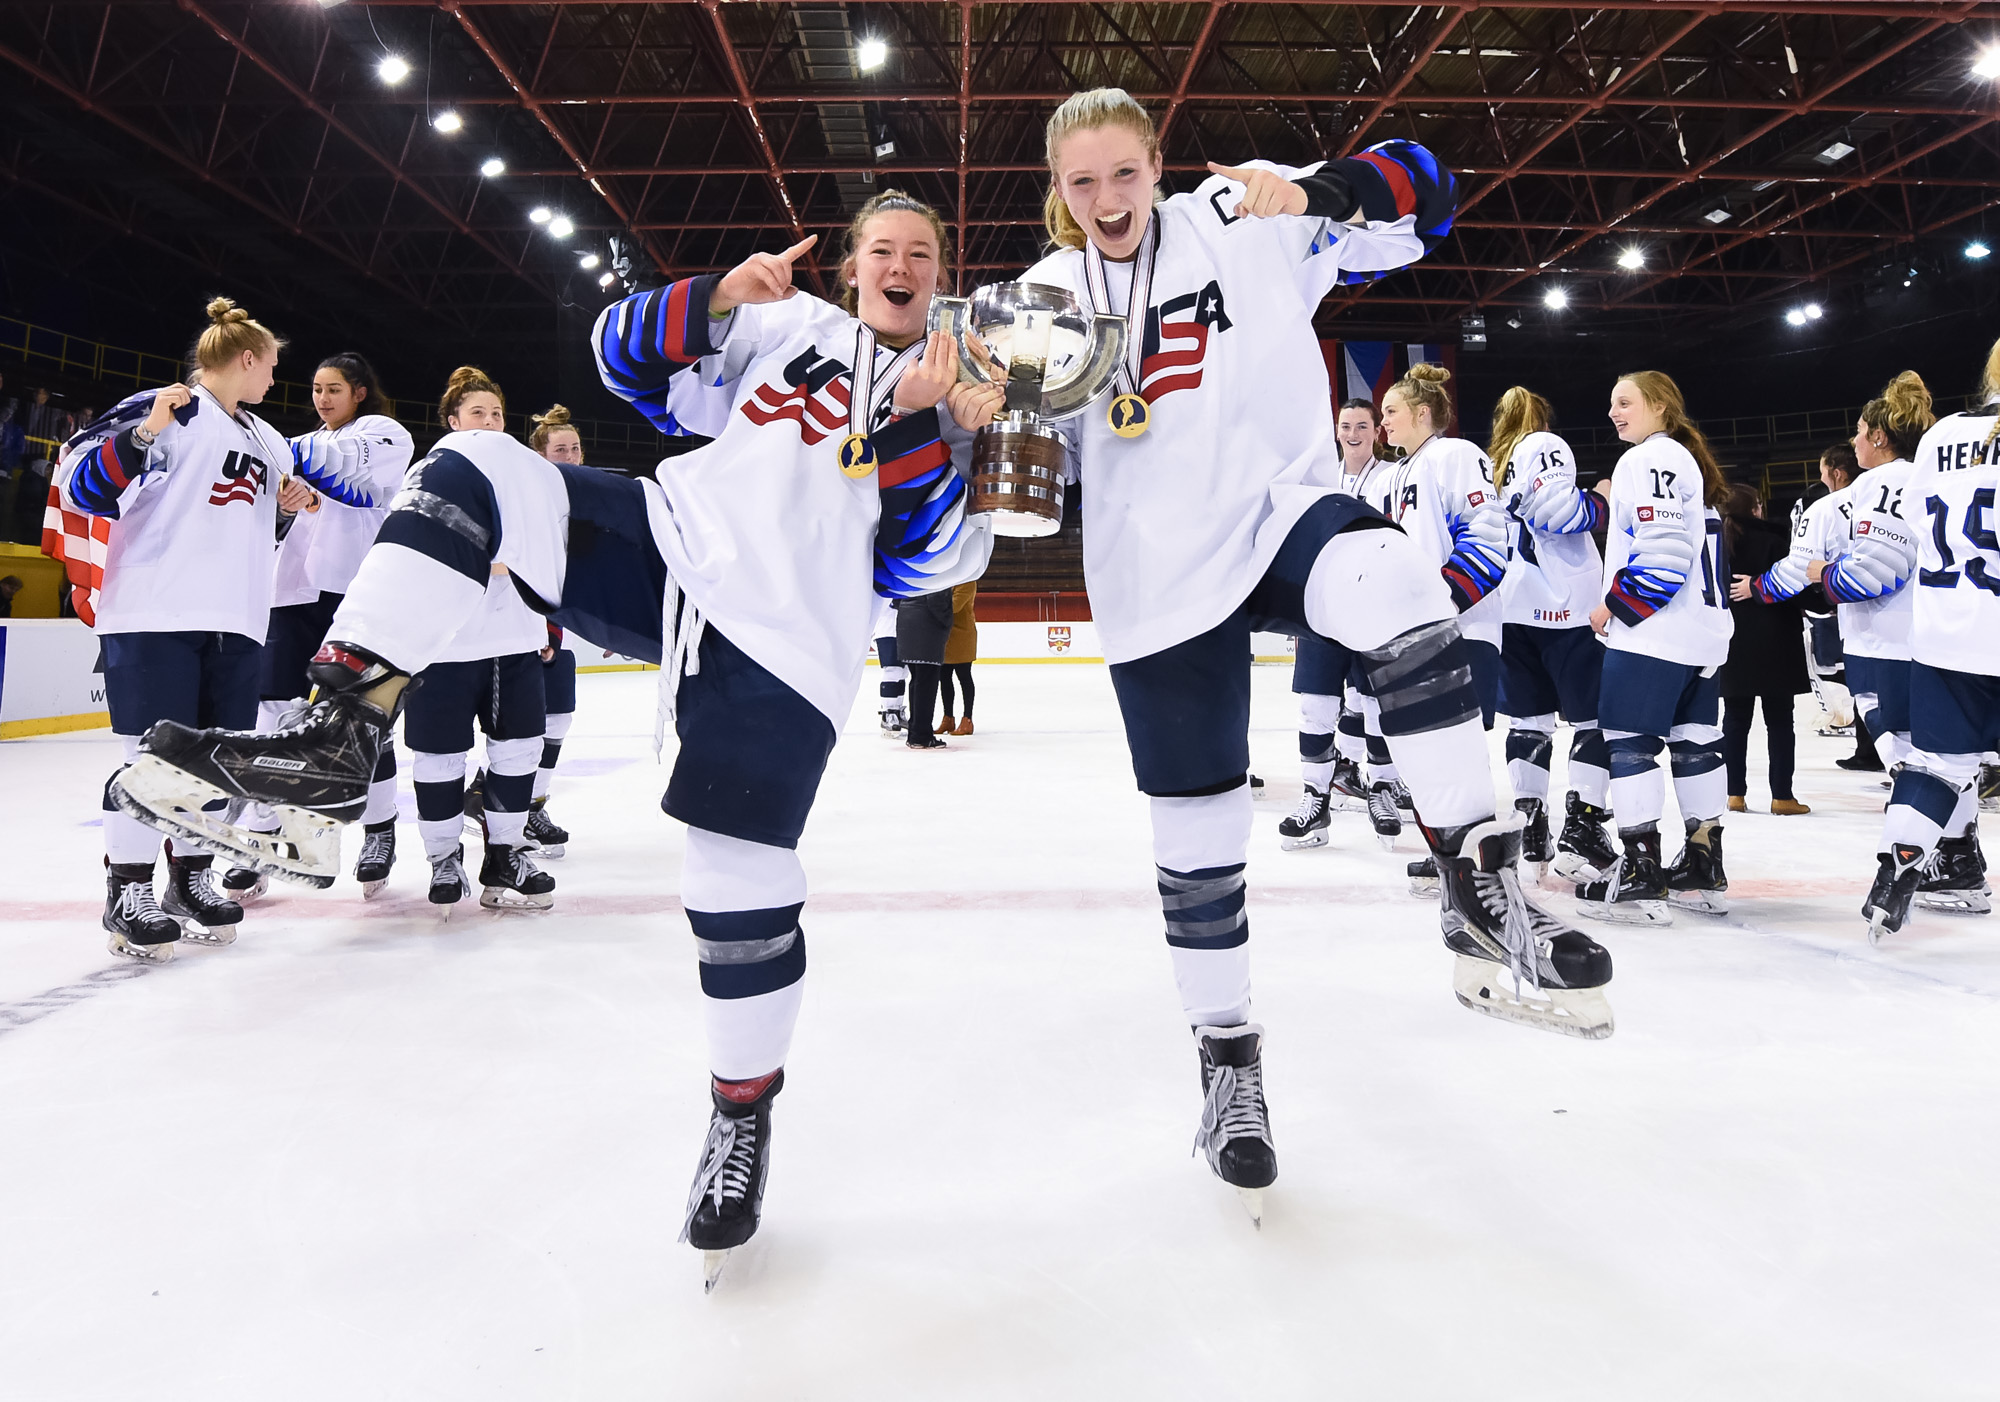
(1054, 357)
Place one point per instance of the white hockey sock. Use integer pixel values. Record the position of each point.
(1701, 784)
(1199, 850)
(510, 784)
(743, 900)
(1638, 785)
(1530, 747)
(553, 735)
(440, 785)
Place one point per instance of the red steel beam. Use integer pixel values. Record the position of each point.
(964, 130)
(1877, 9)
(756, 120)
(1195, 56)
(1438, 35)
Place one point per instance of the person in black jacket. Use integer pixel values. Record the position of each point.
(1767, 655)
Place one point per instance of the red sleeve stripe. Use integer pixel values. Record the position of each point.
(914, 464)
(108, 455)
(673, 325)
(1398, 180)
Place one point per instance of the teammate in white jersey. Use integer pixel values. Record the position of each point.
(321, 549)
(1665, 620)
(192, 480)
(1204, 522)
(1551, 661)
(556, 438)
(1951, 500)
(1333, 731)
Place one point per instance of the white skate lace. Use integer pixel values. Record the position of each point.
(519, 868)
(726, 1160)
(448, 871)
(201, 887)
(1524, 926)
(136, 902)
(1308, 809)
(1381, 805)
(1233, 1109)
(375, 847)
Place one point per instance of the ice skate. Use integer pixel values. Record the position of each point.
(1382, 814)
(378, 857)
(139, 929)
(1235, 1130)
(1635, 891)
(548, 837)
(314, 775)
(1405, 805)
(1348, 788)
(726, 1202)
(1515, 961)
(892, 720)
(1423, 876)
(1955, 879)
(1535, 849)
(1696, 880)
(1898, 873)
(207, 916)
(474, 803)
(244, 884)
(1583, 853)
(449, 885)
(1308, 824)
(512, 882)
(1256, 788)
(1989, 788)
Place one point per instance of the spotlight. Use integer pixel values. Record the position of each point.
(871, 54)
(492, 166)
(392, 70)
(448, 122)
(1839, 151)
(1795, 317)
(1813, 311)
(1718, 215)
(1976, 250)
(1514, 321)
(1988, 65)
(607, 280)
(1555, 299)
(589, 261)
(1632, 258)
(560, 227)
(540, 214)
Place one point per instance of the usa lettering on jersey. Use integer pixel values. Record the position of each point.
(813, 394)
(242, 478)
(1176, 344)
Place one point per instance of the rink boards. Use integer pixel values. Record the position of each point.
(1078, 642)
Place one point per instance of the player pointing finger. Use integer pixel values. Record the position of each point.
(1265, 192)
(762, 277)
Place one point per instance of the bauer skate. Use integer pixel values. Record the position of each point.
(1382, 815)
(1423, 875)
(205, 914)
(510, 881)
(1583, 853)
(1515, 961)
(1536, 851)
(1349, 789)
(1955, 879)
(1308, 824)
(1898, 873)
(139, 929)
(726, 1203)
(1696, 880)
(1635, 891)
(314, 775)
(548, 837)
(244, 884)
(377, 859)
(1235, 1131)
(449, 885)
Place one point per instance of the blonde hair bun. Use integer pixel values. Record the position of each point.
(1429, 370)
(222, 311)
(558, 416)
(231, 331)
(1909, 397)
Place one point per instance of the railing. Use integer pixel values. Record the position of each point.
(290, 400)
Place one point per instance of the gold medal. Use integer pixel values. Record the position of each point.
(1129, 415)
(857, 455)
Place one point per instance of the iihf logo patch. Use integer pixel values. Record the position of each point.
(1645, 513)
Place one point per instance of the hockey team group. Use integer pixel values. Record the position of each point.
(255, 691)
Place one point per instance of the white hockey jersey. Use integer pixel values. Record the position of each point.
(1181, 522)
(1868, 580)
(1663, 577)
(1443, 495)
(1822, 531)
(1371, 483)
(1952, 500)
(1554, 573)
(503, 627)
(323, 548)
(197, 522)
(761, 529)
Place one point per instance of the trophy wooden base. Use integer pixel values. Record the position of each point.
(1017, 477)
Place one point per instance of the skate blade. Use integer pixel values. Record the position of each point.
(306, 848)
(1627, 912)
(1878, 925)
(1253, 1203)
(555, 853)
(371, 889)
(1486, 987)
(213, 936)
(1700, 902)
(1955, 902)
(1570, 867)
(712, 1263)
(141, 953)
(507, 898)
(1424, 888)
(1387, 840)
(1300, 844)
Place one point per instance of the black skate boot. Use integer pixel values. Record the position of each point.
(1583, 852)
(1535, 848)
(1696, 880)
(727, 1201)
(1423, 876)
(548, 837)
(139, 929)
(1405, 804)
(1308, 824)
(378, 857)
(512, 882)
(314, 775)
(1635, 893)
(448, 882)
(1898, 873)
(475, 801)
(1955, 879)
(1349, 789)
(244, 884)
(1382, 814)
(1989, 788)
(207, 916)
(1515, 960)
(1235, 1130)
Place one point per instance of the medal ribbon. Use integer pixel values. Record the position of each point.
(865, 404)
(1098, 289)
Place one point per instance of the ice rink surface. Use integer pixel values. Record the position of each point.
(363, 1154)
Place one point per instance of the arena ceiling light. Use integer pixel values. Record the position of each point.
(1988, 64)
(492, 166)
(607, 280)
(1632, 259)
(561, 227)
(1795, 317)
(1813, 311)
(1976, 250)
(540, 214)
(1839, 151)
(448, 122)
(1718, 215)
(392, 70)
(870, 54)
(589, 261)
(1555, 299)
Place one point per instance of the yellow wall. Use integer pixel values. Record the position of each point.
(38, 572)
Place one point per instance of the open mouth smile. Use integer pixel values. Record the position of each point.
(1117, 227)
(898, 296)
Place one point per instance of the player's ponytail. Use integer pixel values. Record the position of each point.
(1423, 386)
(230, 333)
(556, 419)
(1989, 389)
(466, 379)
(1087, 111)
(1519, 413)
(1901, 412)
(1664, 397)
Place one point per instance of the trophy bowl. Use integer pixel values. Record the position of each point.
(1054, 357)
